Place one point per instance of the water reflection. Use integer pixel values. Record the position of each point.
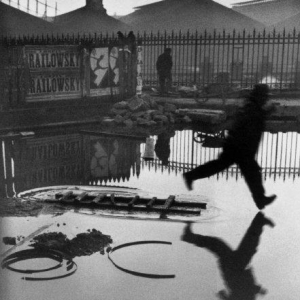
(278, 153)
(162, 147)
(95, 159)
(67, 160)
(234, 264)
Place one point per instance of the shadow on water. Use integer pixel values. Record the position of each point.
(234, 264)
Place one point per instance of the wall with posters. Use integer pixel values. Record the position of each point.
(55, 72)
(65, 72)
(104, 71)
(48, 70)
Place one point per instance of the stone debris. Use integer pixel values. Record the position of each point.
(144, 111)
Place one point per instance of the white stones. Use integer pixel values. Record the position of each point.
(204, 115)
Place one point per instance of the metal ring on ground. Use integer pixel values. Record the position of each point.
(32, 254)
(147, 275)
(35, 253)
(54, 277)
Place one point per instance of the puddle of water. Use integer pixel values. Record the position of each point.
(95, 161)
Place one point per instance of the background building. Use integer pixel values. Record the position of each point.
(15, 22)
(268, 12)
(175, 15)
(89, 19)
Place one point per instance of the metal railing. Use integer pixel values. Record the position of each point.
(237, 59)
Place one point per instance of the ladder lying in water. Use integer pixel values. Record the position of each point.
(135, 203)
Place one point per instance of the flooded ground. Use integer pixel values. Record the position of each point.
(230, 252)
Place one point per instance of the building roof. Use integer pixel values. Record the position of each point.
(92, 18)
(252, 2)
(268, 12)
(16, 22)
(186, 15)
(288, 24)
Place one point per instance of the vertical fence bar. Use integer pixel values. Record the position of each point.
(252, 58)
(282, 59)
(269, 70)
(277, 54)
(243, 55)
(200, 60)
(286, 56)
(218, 52)
(179, 56)
(8, 166)
(232, 57)
(247, 57)
(291, 81)
(185, 58)
(213, 54)
(257, 58)
(228, 52)
(192, 56)
(263, 72)
(210, 69)
(290, 153)
(195, 57)
(272, 55)
(2, 175)
(223, 50)
(174, 43)
(296, 147)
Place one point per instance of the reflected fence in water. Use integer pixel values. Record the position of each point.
(85, 159)
(278, 154)
(73, 159)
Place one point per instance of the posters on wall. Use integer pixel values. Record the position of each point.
(54, 72)
(104, 71)
(58, 72)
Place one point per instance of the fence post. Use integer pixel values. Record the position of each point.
(282, 58)
(196, 56)
(2, 177)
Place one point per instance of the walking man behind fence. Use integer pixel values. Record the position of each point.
(240, 147)
(164, 65)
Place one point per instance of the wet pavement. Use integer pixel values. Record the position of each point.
(229, 252)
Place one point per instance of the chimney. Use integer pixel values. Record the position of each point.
(95, 5)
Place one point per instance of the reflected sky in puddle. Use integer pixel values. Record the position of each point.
(94, 160)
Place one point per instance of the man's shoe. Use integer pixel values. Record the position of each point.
(188, 182)
(260, 218)
(264, 201)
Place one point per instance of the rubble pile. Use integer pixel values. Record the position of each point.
(146, 111)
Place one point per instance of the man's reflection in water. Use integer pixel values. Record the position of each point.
(162, 146)
(234, 264)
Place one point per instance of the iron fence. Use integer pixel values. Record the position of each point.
(239, 60)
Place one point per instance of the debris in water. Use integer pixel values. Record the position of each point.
(82, 245)
(9, 240)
